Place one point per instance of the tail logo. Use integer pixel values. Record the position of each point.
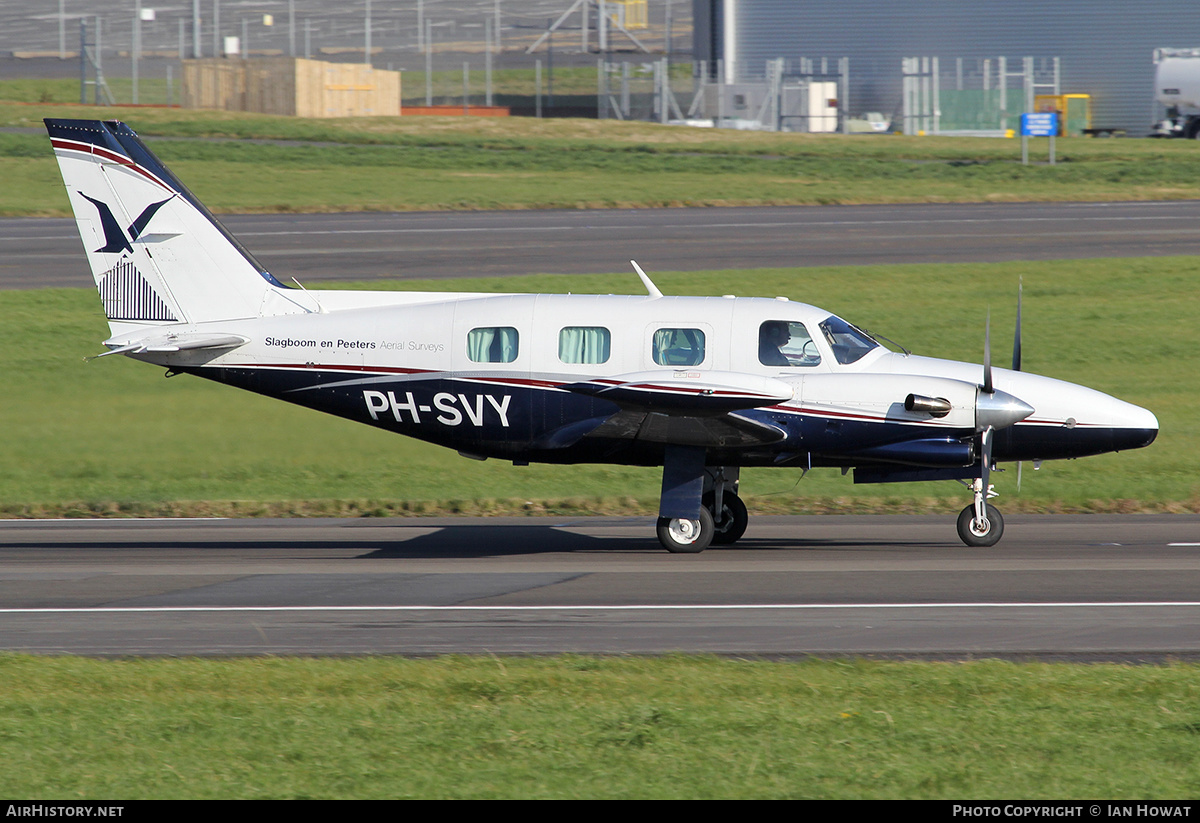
(115, 240)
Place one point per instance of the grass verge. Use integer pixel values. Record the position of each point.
(579, 727)
(406, 163)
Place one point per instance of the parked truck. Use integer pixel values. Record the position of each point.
(1177, 86)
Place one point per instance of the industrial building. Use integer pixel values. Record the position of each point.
(1104, 47)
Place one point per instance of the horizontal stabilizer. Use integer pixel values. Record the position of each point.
(180, 341)
(690, 393)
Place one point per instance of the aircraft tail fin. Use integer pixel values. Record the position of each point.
(158, 256)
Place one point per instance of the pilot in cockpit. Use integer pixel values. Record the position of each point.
(772, 336)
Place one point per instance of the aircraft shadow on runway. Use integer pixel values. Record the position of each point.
(451, 541)
(503, 540)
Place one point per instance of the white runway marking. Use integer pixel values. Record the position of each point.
(124, 520)
(775, 223)
(739, 225)
(594, 608)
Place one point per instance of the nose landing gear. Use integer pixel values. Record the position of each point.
(980, 524)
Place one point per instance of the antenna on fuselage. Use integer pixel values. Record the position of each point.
(646, 281)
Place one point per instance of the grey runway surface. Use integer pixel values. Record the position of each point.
(1090, 587)
(37, 252)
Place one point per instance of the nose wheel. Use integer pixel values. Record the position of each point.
(976, 532)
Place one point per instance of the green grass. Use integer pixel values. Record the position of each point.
(485, 163)
(576, 727)
(112, 435)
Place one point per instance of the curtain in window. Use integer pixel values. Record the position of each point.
(584, 344)
(508, 345)
(492, 345)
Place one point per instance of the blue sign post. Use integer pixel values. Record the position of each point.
(1040, 124)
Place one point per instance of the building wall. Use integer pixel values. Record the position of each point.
(1105, 46)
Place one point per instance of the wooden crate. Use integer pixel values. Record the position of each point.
(291, 86)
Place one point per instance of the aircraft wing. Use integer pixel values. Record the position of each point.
(721, 431)
(686, 393)
(690, 408)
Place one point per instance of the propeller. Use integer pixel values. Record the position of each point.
(995, 409)
(985, 437)
(1016, 362)
(987, 356)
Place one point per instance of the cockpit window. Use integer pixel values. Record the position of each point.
(785, 343)
(849, 344)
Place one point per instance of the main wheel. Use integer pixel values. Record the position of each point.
(972, 535)
(731, 525)
(686, 536)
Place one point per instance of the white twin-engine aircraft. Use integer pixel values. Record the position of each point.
(702, 386)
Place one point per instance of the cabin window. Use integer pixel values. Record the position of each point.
(786, 343)
(679, 347)
(495, 344)
(849, 343)
(584, 344)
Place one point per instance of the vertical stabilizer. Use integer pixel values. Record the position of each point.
(158, 256)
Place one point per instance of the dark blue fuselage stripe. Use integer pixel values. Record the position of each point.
(506, 420)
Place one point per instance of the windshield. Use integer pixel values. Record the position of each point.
(849, 343)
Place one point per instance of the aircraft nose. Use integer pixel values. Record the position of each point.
(1138, 427)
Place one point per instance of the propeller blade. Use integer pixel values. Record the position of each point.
(987, 355)
(1016, 364)
(985, 440)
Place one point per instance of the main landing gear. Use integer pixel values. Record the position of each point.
(730, 523)
(721, 520)
(682, 536)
